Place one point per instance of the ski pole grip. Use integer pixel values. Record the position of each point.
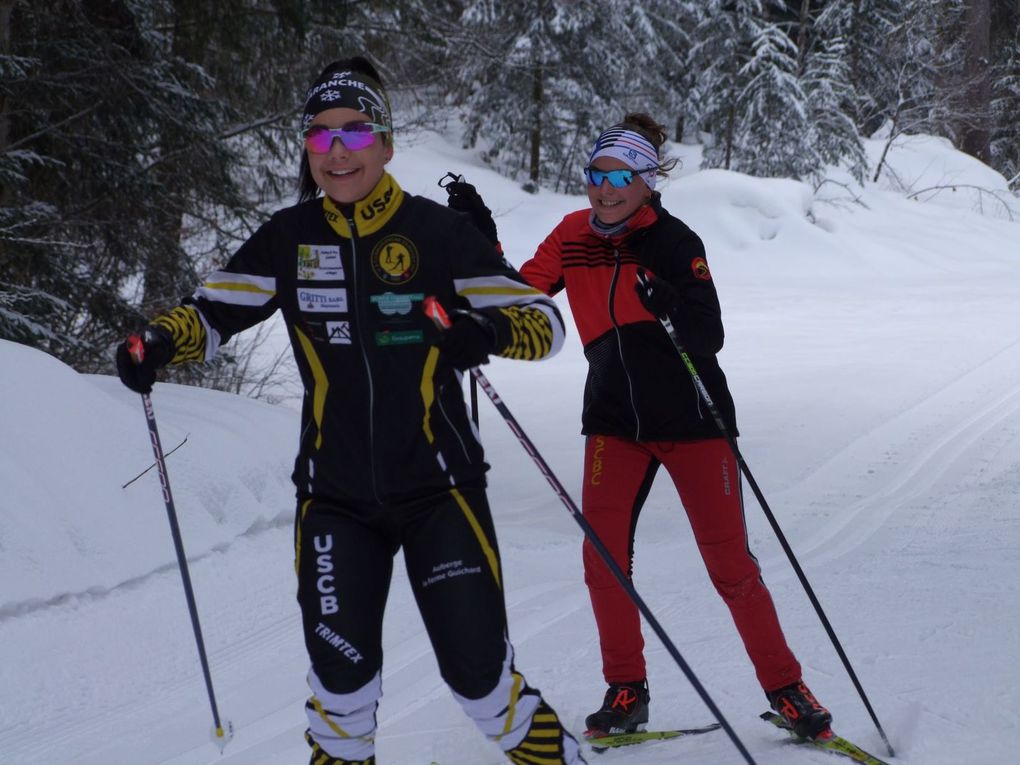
(435, 312)
(449, 178)
(642, 277)
(136, 348)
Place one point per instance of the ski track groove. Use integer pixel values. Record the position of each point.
(858, 521)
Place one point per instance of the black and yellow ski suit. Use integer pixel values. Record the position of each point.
(388, 456)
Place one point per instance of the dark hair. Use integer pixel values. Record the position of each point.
(307, 187)
(645, 125)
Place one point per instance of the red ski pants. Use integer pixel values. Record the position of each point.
(618, 474)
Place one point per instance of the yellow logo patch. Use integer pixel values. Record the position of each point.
(395, 260)
(700, 269)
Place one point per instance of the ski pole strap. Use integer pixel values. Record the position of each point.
(450, 177)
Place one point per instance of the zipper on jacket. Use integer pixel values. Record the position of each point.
(442, 409)
(619, 342)
(353, 300)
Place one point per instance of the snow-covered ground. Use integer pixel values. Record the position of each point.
(874, 352)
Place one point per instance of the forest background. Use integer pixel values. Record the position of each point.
(142, 140)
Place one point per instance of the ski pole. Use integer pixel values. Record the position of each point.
(435, 311)
(444, 182)
(221, 734)
(725, 431)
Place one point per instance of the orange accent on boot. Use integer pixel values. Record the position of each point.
(787, 709)
(810, 697)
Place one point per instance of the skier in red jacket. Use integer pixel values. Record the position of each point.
(642, 410)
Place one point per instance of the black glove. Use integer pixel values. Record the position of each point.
(466, 199)
(469, 340)
(657, 295)
(157, 350)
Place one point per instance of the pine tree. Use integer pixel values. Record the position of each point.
(774, 89)
(774, 132)
(1004, 146)
(534, 86)
(722, 46)
(138, 145)
(87, 98)
(749, 94)
(867, 29)
(826, 76)
(917, 95)
(649, 63)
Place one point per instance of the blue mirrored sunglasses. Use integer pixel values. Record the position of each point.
(618, 179)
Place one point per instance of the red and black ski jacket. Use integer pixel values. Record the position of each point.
(637, 385)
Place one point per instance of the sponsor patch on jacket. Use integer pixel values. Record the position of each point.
(394, 260)
(392, 304)
(322, 300)
(319, 262)
(401, 337)
(700, 268)
(338, 332)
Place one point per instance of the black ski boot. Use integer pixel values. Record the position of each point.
(624, 710)
(799, 707)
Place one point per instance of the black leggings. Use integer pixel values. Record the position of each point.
(345, 564)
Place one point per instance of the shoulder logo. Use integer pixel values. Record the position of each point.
(700, 268)
(395, 260)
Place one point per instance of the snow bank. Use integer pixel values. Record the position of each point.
(67, 526)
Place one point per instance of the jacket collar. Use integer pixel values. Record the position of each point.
(369, 214)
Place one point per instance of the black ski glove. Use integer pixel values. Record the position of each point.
(157, 350)
(469, 340)
(466, 199)
(657, 295)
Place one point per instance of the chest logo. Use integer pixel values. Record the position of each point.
(322, 300)
(391, 304)
(395, 260)
(319, 262)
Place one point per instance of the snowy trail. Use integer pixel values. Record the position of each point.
(902, 460)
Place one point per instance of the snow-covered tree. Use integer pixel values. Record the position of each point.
(773, 89)
(534, 85)
(1004, 146)
(722, 45)
(827, 80)
(649, 65)
(137, 143)
(774, 131)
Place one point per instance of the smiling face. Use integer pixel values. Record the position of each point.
(347, 176)
(612, 205)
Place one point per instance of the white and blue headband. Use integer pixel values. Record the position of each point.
(631, 148)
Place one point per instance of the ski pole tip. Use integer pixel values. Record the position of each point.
(222, 734)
